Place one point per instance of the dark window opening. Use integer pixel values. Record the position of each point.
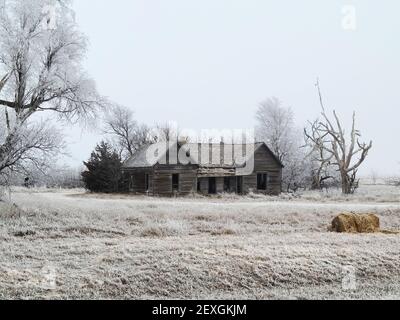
(227, 184)
(212, 185)
(175, 182)
(131, 182)
(198, 185)
(147, 182)
(239, 185)
(262, 183)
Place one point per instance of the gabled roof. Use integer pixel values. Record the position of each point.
(260, 144)
(141, 160)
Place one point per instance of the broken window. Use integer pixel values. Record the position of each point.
(175, 182)
(262, 183)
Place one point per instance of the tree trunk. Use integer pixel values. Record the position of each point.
(346, 183)
(8, 149)
(5, 151)
(316, 183)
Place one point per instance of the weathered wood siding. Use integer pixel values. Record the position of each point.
(264, 162)
(233, 183)
(162, 179)
(220, 185)
(203, 185)
(137, 180)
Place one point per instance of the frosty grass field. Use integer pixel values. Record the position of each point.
(71, 245)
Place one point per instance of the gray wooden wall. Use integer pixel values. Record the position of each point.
(264, 162)
(161, 178)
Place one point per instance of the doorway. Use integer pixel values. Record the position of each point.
(212, 185)
(175, 182)
(239, 185)
(147, 182)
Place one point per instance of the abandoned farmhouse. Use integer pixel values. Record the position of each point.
(206, 169)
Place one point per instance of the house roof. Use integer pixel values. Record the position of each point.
(142, 159)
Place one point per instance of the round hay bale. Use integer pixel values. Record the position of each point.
(356, 223)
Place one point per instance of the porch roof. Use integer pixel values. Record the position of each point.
(214, 172)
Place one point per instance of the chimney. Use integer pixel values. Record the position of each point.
(210, 151)
(222, 151)
(199, 155)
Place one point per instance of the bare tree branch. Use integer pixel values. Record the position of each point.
(43, 73)
(128, 135)
(329, 136)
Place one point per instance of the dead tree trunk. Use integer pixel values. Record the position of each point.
(329, 137)
(321, 160)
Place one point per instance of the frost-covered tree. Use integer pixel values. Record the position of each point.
(166, 132)
(276, 127)
(346, 153)
(52, 176)
(128, 136)
(296, 174)
(41, 50)
(322, 172)
(34, 144)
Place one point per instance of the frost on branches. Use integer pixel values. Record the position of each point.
(41, 74)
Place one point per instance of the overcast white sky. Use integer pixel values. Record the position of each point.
(208, 63)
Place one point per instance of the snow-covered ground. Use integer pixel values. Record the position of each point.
(68, 244)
